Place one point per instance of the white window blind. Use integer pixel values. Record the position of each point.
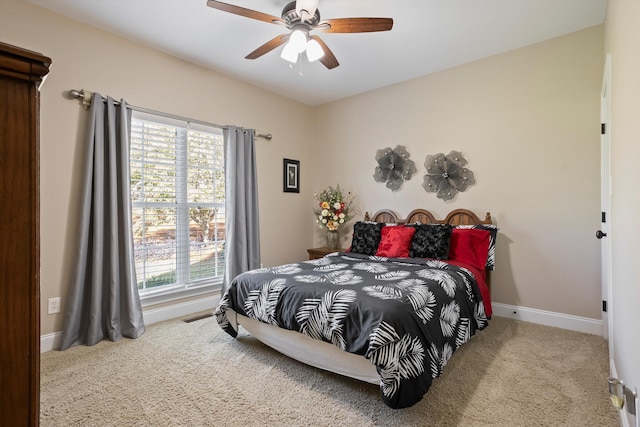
(177, 194)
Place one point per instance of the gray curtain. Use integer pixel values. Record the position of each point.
(103, 299)
(242, 247)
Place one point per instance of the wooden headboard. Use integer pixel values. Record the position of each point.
(455, 217)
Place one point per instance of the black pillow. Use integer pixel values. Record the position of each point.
(431, 241)
(366, 237)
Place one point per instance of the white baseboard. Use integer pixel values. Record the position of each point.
(549, 318)
(565, 321)
(52, 341)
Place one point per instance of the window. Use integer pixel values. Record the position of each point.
(177, 194)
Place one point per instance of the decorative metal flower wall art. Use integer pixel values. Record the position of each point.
(394, 167)
(447, 175)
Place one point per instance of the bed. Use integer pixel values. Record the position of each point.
(390, 311)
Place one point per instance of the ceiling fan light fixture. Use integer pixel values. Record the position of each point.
(298, 41)
(314, 50)
(289, 53)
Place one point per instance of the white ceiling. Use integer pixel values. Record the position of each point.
(427, 36)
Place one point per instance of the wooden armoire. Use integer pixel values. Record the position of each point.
(21, 72)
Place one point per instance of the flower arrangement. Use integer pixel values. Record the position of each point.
(334, 208)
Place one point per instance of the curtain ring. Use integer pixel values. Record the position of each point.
(86, 98)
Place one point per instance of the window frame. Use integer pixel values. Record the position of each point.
(182, 287)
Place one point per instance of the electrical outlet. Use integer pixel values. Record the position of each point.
(54, 305)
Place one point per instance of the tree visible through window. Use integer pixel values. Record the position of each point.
(177, 194)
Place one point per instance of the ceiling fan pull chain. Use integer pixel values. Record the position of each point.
(293, 64)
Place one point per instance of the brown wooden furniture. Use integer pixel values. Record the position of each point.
(316, 253)
(21, 73)
(455, 217)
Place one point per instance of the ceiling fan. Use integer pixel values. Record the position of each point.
(301, 17)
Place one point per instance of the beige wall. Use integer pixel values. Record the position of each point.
(622, 38)
(528, 123)
(84, 57)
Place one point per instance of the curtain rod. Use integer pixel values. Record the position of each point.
(85, 99)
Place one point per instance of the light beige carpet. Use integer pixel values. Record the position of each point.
(192, 374)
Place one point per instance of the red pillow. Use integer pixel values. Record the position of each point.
(470, 245)
(395, 241)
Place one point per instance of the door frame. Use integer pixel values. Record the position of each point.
(605, 203)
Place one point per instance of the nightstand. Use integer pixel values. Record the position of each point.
(316, 253)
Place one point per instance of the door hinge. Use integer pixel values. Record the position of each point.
(604, 306)
(603, 128)
(604, 217)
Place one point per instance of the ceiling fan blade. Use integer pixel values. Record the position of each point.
(328, 59)
(269, 46)
(248, 13)
(356, 25)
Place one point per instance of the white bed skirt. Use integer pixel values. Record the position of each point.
(316, 353)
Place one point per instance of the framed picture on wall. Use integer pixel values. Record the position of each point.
(291, 176)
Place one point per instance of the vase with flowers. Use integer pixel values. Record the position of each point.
(334, 208)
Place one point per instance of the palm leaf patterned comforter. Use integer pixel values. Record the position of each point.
(406, 315)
